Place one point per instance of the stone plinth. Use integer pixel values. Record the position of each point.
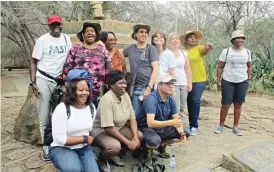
(258, 158)
(121, 29)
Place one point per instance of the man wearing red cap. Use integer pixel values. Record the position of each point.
(48, 57)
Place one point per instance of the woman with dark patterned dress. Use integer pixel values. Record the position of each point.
(91, 56)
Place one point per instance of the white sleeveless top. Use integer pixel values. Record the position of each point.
(180, 74)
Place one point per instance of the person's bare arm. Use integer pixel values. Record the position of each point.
(32, 71)
(152, 123)
(171, 72)
(133, 127)
(220, 68)
(155, 70)
(188, 74)
(249, 70)
(207, 48)
(74, 140)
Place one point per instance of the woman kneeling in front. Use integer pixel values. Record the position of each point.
(72, 120)
(115, 124)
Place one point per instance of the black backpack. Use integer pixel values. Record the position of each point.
(48, 130)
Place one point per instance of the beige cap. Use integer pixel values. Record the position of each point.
(237, 34)
(165, 77)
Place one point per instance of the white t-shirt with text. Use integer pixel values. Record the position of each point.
(51, 53)
(235, 69)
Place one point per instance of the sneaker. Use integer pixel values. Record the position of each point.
(163, 153)
(236, 131)
(219, 130)
(193, 131)
(104, 166)
(45, 155)
(115, 160)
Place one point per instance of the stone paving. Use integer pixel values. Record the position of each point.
(203, 151)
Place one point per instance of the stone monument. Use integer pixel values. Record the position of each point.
(26, 126)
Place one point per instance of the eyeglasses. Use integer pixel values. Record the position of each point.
(168, 83)
(112, 40)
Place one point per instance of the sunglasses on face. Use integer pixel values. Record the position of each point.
(168, 83)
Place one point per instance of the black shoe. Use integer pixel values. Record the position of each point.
(104, 166)
(137, 153)
(163, 153)
(122, 153)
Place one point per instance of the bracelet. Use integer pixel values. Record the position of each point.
(85, 139)
(31, 83)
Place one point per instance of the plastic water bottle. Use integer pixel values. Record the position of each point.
(172, 163)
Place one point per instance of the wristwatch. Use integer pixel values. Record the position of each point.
(85, 139)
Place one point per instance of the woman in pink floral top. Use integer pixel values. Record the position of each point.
(90, 56)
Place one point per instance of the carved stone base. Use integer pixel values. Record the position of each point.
(26, 127)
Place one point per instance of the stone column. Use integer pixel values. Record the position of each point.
(107, 9)
(97, 10)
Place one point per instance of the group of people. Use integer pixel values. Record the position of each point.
(167, 75)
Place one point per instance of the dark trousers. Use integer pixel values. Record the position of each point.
(154, 137)
(193, 103)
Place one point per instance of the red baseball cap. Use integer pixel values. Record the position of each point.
(54, 18)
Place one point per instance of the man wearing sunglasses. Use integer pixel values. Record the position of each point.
(159, 120)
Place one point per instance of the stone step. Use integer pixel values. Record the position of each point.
(254, 158)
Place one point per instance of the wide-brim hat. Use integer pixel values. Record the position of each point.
(139, 26)
(198, 34)
(95, 26)
(237, 34)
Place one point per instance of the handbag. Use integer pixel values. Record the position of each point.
(132, 85)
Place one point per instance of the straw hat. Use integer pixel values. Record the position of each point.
(198, 34)
(139, 26)
(237, 34)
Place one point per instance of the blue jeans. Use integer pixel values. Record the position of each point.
(73, 160)
(136, 103)
(193, 103)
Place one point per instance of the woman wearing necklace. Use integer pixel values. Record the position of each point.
(117, 59)
(191, 41)
(91, 56)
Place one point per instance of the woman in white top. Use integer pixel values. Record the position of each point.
(182, 72)
(70, 150)
(158, 39)
(235, 64)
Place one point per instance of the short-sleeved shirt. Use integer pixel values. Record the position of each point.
(235, 69)
(95, 61)
(154, 104)
(166, 61)
(112, 112)
(51, 53)
(145, 69)
(197, 64)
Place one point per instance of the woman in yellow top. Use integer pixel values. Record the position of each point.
(196, 53)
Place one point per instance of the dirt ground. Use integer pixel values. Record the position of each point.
(205, 149)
